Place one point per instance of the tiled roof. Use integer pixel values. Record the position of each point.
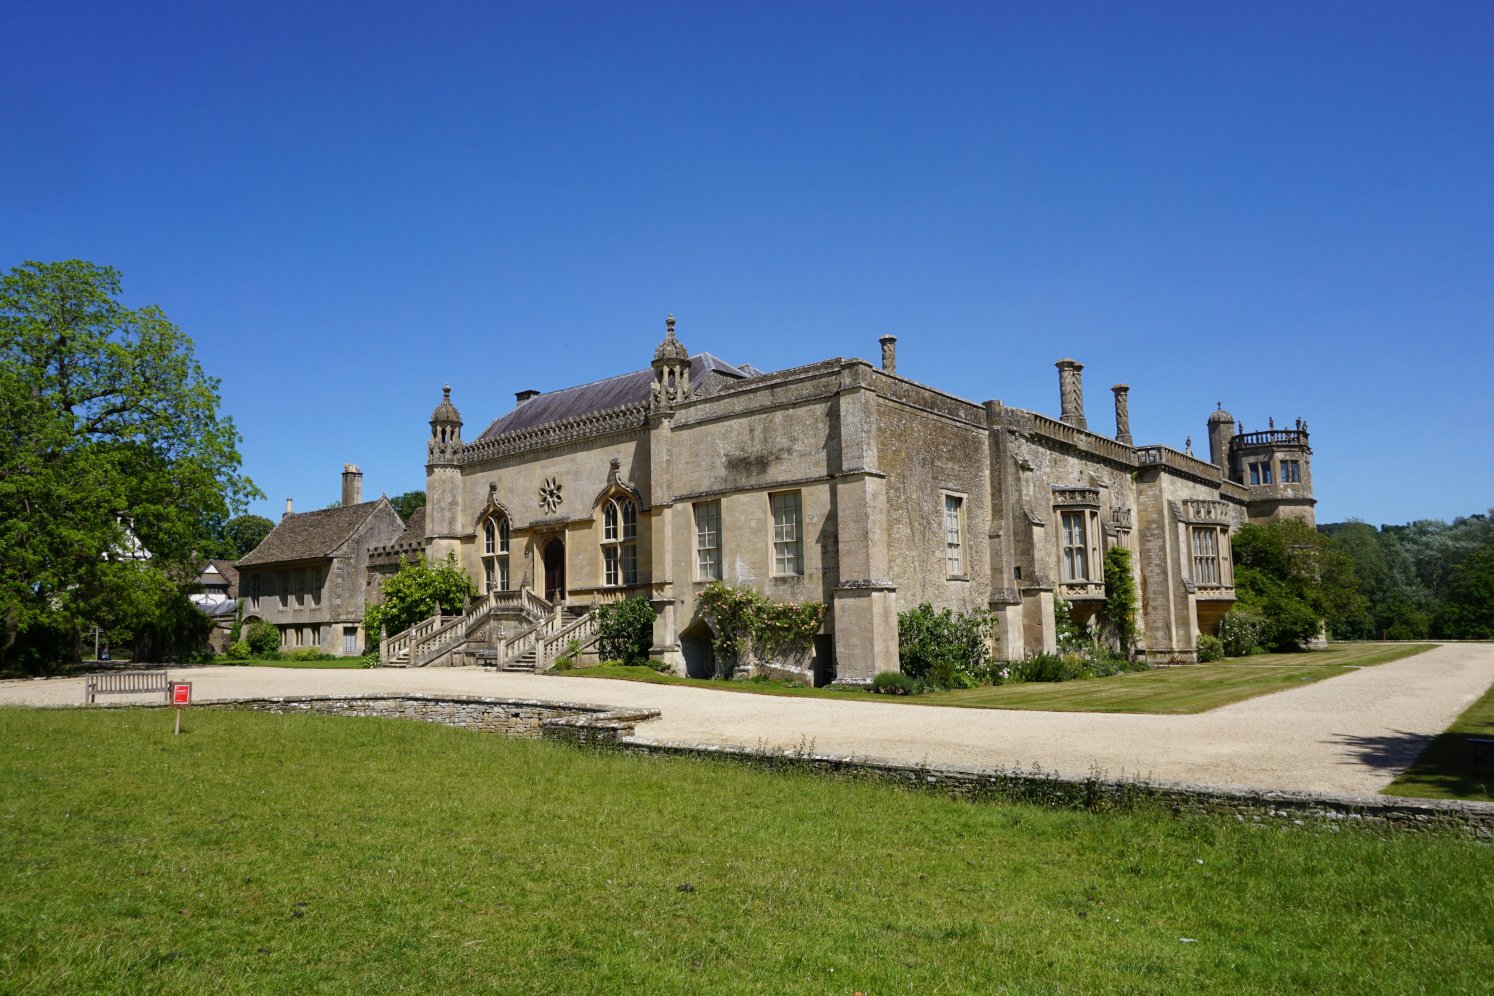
(598, 396)
(414, 527)
(309, 535)
(230, 573)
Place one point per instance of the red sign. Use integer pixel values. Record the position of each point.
(181, 694)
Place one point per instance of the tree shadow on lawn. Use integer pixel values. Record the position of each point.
(1439, 767)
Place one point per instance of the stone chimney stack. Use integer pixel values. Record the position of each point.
(352, 485)
(1071, 393)
(287, 507)
(889, 353)
(1122, 414)
(522, 396)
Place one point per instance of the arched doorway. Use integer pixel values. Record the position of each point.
(698, 649)
(554, 558)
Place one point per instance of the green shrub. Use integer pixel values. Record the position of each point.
(238, 651)
(896, 683)
(415, 592)
(1119, 614)
(744, 623)
(1063, 666)
(1243, 631)
(305, 654)
(625, 630)
(263, 638)
(1210, 648)
(567, 660)
(943, 648)
(371, 659)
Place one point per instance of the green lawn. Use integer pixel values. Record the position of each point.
(1445, 769)
(1171, 690)
(260, 853)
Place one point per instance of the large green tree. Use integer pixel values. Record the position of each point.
(415, 592)
(243, 533)
(1290, 580)
(117, 473)
(407, 503)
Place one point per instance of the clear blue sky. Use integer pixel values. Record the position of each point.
(1285, 207)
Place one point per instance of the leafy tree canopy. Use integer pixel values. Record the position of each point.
(117, 474)
(413, 593)
(406, 504)
(1293, 579)
(243, 533)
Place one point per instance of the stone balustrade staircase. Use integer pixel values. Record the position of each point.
(509, 630)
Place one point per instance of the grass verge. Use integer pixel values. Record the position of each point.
(1170, 691)
(1445, 769)
(260, 853)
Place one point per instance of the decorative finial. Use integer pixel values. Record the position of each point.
(1188, 444)
(1271, 422)
(446, 390)
(669, 324)
(1219, 405)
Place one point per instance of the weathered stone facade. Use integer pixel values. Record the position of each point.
(845, 483)
(310, 574)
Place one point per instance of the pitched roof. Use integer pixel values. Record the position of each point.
(230, 573)
(599, 396)
(310, 535)
(414, 527)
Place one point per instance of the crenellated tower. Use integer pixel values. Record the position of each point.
(1276, 465)
(443, 479)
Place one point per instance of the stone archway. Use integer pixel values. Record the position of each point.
(697, 648)
(554, 564)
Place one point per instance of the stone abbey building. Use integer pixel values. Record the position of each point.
(841, 482)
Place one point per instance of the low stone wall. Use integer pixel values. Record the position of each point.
(1104, 794)
(572, 721)
(597, 726)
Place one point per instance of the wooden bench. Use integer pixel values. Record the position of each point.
(1482, 748)
(127, 683)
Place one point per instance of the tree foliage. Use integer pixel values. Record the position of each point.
(747, 626)
(1289, 581)
(625, 630)
(943, 648)
(1419, 580)
(407, 503)
(1119, 614)
(117, 474)
(243, 533)
(413, 593)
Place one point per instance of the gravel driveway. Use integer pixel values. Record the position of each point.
(1351, 734)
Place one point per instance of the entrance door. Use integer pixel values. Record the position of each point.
(555, 570)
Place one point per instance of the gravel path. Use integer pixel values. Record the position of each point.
(1351, 734)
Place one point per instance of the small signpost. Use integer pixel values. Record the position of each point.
(181, 697)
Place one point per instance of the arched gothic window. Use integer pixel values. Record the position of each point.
(495, 553)
(619, 542)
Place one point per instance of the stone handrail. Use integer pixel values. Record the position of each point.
(391, 647)
(443, 638)
(583, 631)
(1166, 456)
(1083, 439)
(529, 637)
(535, 608)
(1273, 437)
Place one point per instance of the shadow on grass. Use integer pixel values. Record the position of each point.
(1445, 770)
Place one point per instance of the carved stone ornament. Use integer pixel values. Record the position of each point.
(550, 496)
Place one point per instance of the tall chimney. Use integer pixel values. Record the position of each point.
(1122, 414)
(1071, 393)
(889, 353)
(287, 506)
(352, 485)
